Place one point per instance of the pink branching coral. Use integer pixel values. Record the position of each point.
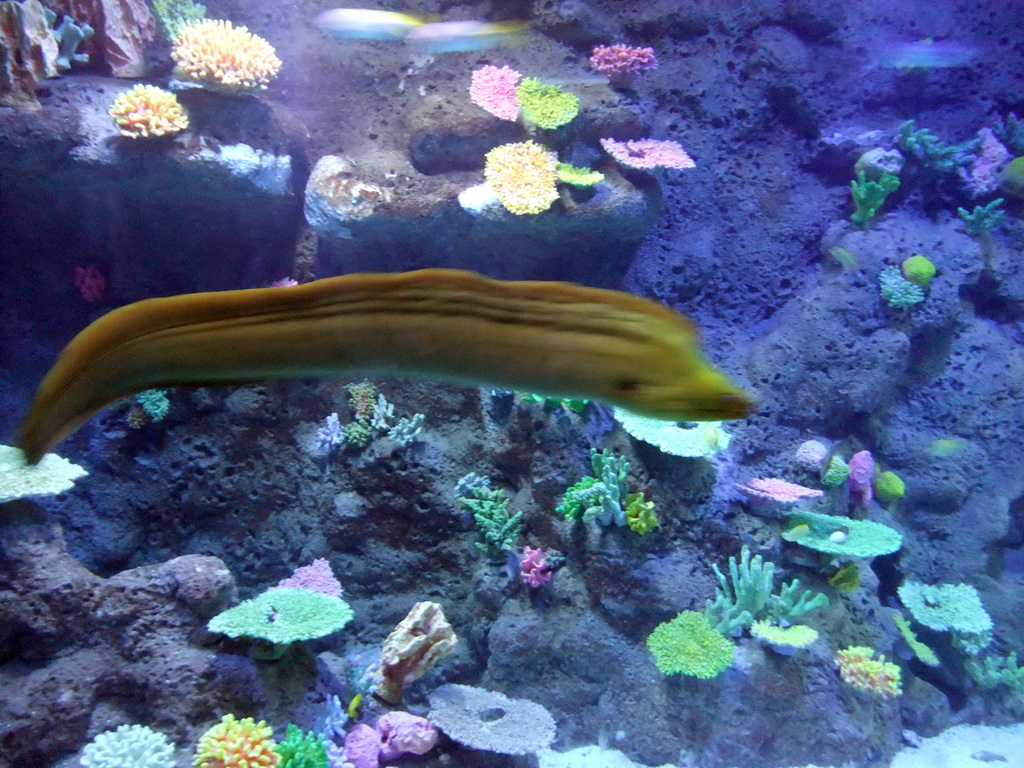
(316, 577)
(778, 491)
(862, 474)
(90, 282)
(494, 89)
(648, 153)
(534, 568)
(621, 63)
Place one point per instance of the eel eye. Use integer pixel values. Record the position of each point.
(627, 386)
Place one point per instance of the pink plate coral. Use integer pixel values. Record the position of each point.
(648, 153)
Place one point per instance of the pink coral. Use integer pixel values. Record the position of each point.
(362, 746)
(534, 569)
(648, 153)
(494, 89)
(90, 282)
(982, 177)
(316, 577)
(403, 733)
(862, 474)
(776, 490)
(622, 63)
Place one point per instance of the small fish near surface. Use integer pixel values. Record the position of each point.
(559, 339)
(430, 36)
(926, 54)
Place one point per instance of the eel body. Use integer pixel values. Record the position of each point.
(553, 338)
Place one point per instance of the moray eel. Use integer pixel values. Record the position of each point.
(554, 338)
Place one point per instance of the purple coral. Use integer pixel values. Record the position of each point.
(316, 577)
(621, 63)
(403, 733)
(534, 568)
(862, 474)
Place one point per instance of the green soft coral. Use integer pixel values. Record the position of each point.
(545, 106)
(689, 645)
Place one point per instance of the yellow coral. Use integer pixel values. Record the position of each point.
(237, 744)
(522, 176)
(222, 57)
(146, 110)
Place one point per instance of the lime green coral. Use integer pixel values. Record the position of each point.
(302, 750)
(795, 636)
(919, 270)
(640, 515)
(236, 743)
(545, 106)
(284, 616)
(578, 177)
(689, 645)
(889, 487)
(923, 652)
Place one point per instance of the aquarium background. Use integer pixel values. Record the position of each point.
(848, 241)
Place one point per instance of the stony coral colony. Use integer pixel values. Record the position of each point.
(212, 53)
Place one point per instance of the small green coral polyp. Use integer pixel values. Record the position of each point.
(919, 270)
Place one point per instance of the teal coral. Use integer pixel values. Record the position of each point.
(130, 746)
(599, 497)
(845, 537)
(747, 595)
(689, 645)
(997, 670)
(931, 152)
(945, 607)
(984, 218)
(155, 403)
(897, 291)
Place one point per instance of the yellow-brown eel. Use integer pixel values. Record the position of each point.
(557, 339)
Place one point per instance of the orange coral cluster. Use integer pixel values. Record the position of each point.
(146, 110)
(223, 57)
(236, 743)
(858, 668)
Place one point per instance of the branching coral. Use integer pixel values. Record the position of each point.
(146, 111)
(222, 57)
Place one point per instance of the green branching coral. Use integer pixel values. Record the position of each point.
(302, 750)
(545, 106)
(868, 196)
(997, 670)
(931, 152)
(603, 498)
(984, 218)
(489, 507)
(689, 645)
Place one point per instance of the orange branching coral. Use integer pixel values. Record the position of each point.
(146, 110)
(522, 176)
(237, 744)
(222, 57)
